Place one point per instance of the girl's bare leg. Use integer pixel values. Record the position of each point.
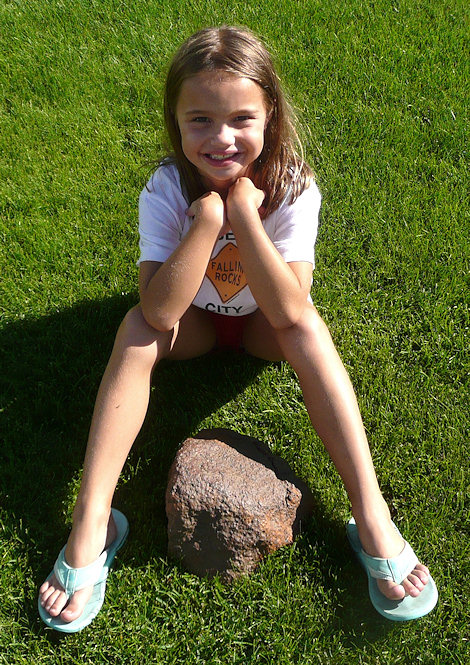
(119, 412)
(334, 413)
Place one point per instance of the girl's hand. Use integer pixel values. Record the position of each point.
(244, 196)
(208, 209)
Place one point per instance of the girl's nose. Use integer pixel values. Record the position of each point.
(224, 135)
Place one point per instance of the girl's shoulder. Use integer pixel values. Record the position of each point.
(309, 197)
(164, 186)
(165, 176)
(310, 189)
(162, 197)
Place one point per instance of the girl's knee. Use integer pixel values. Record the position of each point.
(309, 328)
(311, 321)
(134, 323)
(135, 336)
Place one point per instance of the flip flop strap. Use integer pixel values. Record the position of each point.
(73, 579)
(395, 569)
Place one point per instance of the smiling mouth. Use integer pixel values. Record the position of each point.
(220, 158)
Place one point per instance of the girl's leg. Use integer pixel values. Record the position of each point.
(334, 413)
(119, 412)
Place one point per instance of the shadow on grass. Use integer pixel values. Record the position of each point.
(51, 369)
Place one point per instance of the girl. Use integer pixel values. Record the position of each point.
(227, 229)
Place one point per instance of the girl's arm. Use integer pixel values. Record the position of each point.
(279, 288)
(167, 289)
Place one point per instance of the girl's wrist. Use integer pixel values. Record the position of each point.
(242, 211)
(210, 223)
(244, 200)
(208, 212)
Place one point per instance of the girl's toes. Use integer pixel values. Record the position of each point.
(71, 613)
(46, 594)
(391, 590)
(410, 586)
(422, 572)
(56, 602)
(416, 582)
(47, 589)
(51, 598)
(76, 605)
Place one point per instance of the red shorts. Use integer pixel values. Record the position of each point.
(229, 331)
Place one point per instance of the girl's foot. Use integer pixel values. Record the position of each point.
(380, 538)
(86, 542)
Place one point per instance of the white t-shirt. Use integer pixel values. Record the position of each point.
(163, 223)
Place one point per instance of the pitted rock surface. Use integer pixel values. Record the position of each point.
(230, 502)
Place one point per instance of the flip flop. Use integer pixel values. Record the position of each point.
(395, 570)
(73, 579)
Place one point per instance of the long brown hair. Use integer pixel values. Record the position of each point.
(239, 52)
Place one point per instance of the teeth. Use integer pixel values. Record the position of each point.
(219, 157)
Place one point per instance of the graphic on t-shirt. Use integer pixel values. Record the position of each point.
(226, 273)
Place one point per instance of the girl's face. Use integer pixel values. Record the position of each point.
(221, 118)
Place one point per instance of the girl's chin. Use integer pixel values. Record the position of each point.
(222, 184)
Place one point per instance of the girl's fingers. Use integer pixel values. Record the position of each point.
(245, 188)
(210, 201)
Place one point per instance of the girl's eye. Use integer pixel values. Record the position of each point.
(243, 118)
(200, 118)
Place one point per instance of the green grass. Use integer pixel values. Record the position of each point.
(383, 90)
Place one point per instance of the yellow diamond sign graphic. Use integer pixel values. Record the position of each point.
(226, 273)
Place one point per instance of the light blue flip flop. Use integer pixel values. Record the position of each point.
(395, 570)
(73, 579)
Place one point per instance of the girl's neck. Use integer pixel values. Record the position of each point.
(223, 189)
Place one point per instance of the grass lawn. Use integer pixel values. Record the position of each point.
(383, 89)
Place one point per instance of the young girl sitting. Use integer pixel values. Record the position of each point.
(227, 232)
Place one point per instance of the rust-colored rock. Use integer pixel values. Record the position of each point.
(230, 502)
